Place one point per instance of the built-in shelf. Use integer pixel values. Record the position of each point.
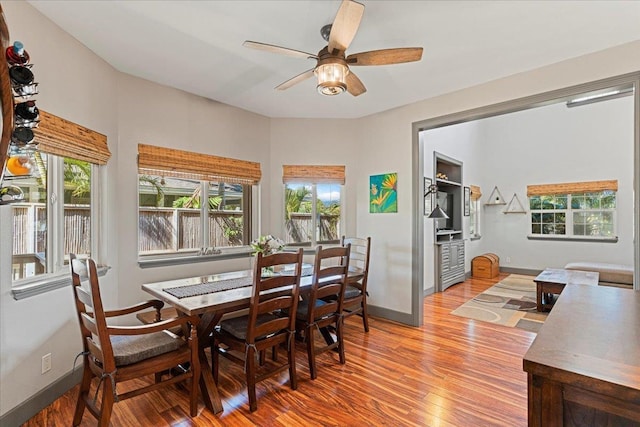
(445, 182)
(515, 206)
(450, 246)
(495, 198)
(446, 232)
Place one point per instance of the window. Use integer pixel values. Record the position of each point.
(56, 216)
(174, 218)
(577, 214)
(313, 204)
(35, 249)
(172, 215)
(312, 213)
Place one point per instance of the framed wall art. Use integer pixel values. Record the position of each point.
(467, 201)
(428, 199)
(383, 193)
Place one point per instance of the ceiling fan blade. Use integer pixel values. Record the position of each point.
(386, 56)
(345, 25)
(354, 85)
(295, 80)
(279, 49)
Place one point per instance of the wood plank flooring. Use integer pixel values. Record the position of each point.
(452, 371)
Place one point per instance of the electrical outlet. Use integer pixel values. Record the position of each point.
(508, 260)
(46, 363)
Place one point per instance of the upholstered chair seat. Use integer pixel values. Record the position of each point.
(238, 326)
(129, 349)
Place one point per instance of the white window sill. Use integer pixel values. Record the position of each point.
(558, 237)
(37, 285)
(152, 261)
(192, 258)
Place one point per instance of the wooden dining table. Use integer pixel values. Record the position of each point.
(210, 307)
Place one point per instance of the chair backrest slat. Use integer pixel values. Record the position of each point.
(89, 323)
(84, 297)
(360, 254)
(329, 281)
(274, 293)
(80, 296)
(100, 338)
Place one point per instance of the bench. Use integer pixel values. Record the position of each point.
(610, 274)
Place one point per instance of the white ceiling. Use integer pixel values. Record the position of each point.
(196, 46)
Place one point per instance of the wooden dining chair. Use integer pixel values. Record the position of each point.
(355, 294)
(322, 308)
(114, 354)
(242, 339)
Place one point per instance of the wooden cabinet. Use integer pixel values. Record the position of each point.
(584, 366)
(450, 263)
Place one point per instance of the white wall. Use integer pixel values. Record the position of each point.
(77, 85)
(387, 138)
(556, 144)
(461, 142)
(551, 144)
(314, 142)
(153, 114)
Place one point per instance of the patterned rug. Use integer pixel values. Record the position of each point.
(510, 302)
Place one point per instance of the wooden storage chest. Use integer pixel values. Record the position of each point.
(486, 266)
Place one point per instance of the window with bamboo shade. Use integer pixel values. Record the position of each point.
(313, 174)
(572, 188)
(575, 210)
(63, 138)
(164, 161)
(65, 152)
(191, 202)
(312, 203)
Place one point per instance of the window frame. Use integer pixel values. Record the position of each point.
(314, 213)
(56, 275)
(205, 252)
(474, 220)
(568, 223)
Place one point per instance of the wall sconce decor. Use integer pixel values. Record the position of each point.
(430, 189)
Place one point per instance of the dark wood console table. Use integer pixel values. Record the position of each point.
(584, 365)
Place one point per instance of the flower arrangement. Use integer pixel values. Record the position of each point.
(266, 245)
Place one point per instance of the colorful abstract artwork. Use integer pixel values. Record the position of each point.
(383, 193)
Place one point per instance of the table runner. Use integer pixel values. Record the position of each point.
(209, 287)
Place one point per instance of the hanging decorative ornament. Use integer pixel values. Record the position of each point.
(19, 165)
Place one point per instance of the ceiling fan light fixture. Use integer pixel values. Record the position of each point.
(331, 78)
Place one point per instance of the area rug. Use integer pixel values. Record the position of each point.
(510, 302)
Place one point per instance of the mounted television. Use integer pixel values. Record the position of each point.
(445, 200)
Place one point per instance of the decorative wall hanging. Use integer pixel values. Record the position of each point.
(383, 193)
(495, 198)
(515, 206)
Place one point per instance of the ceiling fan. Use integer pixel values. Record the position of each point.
(332, 67)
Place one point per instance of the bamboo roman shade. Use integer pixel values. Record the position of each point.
(61, 137)
(313, 174)
(572, 188)
(475, 192)
(162, 161)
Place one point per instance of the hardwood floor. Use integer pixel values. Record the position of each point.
(452, 371)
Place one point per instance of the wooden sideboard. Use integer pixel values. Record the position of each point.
(584, 365)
